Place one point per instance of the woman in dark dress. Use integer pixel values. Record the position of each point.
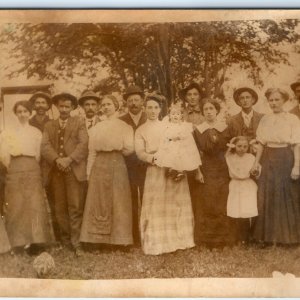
(213, 227)
(278, 133)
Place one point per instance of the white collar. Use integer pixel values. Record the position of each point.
(249, 116)
(219, 126)
(135, 118)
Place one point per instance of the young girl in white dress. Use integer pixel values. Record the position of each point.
(177, 150)
(242, 198)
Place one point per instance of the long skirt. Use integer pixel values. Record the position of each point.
(213, 227)
(25, 203)
(107, 215)
(4, 241)
(278, 218)
(167, 222)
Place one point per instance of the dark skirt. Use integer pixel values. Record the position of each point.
(278, 218)
(213, 227)
(26, 213)
(107, 214)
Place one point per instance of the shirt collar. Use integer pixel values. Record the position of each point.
(191, 109)
(136, 118)
(219, 126)
(249, 116)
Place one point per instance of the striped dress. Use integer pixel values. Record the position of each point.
(166, 222)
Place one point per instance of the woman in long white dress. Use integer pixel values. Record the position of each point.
(166, 222)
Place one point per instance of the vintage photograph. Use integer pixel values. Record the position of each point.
(164, 149)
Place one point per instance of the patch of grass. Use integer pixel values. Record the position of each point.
(245, 262)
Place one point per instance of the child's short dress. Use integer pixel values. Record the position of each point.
(4, 241)
(177, 149)
(242, 198)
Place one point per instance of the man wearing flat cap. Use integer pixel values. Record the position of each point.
(89, 101)
(41, 103)
(191, 96)
(296, 89)
(134, 99)
(65, 150)
(246, 122)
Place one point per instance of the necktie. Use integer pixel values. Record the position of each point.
(63, 124)
(90, 124)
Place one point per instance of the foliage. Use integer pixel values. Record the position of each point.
(160, 56)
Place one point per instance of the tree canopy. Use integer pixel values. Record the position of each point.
(156, 56)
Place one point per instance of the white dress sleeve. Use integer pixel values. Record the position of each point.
(140, 147)
(295, 130)
(260, 132)
(4, 153)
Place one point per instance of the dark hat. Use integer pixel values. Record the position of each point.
(192, 85)
(132, 90)
(88, 95)
(65, 96)
(294, 85)
(238, 91)
(43, 95)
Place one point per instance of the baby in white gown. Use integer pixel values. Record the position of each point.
(177, 151)
(242, 198)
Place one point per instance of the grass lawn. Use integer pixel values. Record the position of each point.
(239, 261)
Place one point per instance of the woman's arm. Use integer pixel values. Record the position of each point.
(92, 152)
(140, 148)
(255, 170)
(128, 141)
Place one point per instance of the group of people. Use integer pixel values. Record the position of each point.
(164, 184)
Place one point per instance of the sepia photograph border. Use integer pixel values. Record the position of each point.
(282, 286)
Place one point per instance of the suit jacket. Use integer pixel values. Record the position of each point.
(236, 125)
(296, 111)
(136, 168)
(75, 146)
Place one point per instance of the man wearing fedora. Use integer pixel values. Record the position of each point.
(65, 149)
(296, 89)
(191, 96)
(89, 101)
(41, 103)
(245, 122)
(134, 99)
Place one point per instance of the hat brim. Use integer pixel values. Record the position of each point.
(294, 85)
(83, 99)
(40, 95)
(70, 97)
(237, 93)
(125, 96)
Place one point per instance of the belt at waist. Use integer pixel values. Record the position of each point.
(111, 151)
(21, 155)
(277, 145)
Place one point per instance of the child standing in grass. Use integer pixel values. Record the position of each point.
(242, 198)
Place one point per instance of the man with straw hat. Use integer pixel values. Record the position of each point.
(89, 101)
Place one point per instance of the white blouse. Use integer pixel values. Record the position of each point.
(21, 140)
(147, 139)
(281, 128)
(109, 135)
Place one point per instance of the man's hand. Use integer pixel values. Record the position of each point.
(64, 163)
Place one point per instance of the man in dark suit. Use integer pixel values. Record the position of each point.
(134, 98)
(41, 103)
(296, 89)
(89, 101)
(65, 149)
(246, 122)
